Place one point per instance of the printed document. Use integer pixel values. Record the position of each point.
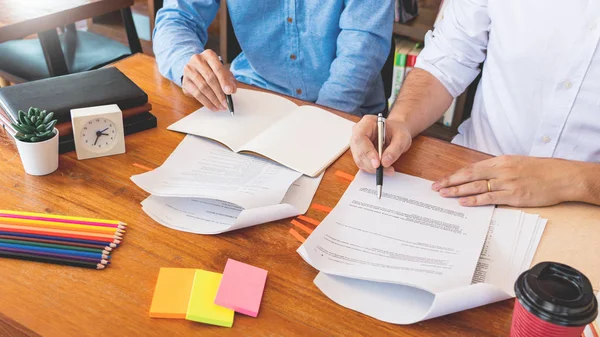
(361, 273)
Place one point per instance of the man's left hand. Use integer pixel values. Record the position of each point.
(511, 180)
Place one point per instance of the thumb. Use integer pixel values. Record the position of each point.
(398, 145)
(229, 85)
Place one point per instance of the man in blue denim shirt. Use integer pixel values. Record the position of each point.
(325, 51)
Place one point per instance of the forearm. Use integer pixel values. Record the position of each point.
(422, 101)
(586, 183)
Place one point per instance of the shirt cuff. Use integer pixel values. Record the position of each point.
(178, 67)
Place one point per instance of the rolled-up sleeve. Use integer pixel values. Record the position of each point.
(362, 48)
(457, 46)
(180, 33)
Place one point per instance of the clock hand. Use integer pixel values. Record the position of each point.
(104, 134)
(103, 130)
(98, 134)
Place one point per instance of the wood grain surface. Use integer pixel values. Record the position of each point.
(62, 301)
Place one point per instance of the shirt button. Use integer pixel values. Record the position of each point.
(299, 91)
(290, 20)
(568, 85)
(293, 56)
(546, 139)
(593, 26)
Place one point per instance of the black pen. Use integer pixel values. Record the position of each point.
(228, 97)
(380, 143)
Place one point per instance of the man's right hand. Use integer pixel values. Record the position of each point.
(364, 136)
(207, 80)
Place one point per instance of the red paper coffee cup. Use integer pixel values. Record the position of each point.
(553, 300)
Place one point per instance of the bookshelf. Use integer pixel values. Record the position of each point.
(416, 30)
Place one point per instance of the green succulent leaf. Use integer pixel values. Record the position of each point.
(34, 119)
(34, 139)
(42, 114)
(48, 117)
(51, 125)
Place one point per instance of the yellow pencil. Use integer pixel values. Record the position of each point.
(64, 217)
(61, 225)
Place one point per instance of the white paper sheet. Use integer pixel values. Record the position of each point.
(306, 139)
(202, 216)
(411, 236)
(502, 253)
(203, 169)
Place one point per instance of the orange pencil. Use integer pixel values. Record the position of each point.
(64, 234)
(34, 228)
(60, 225)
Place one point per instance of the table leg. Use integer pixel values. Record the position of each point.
(55, 59)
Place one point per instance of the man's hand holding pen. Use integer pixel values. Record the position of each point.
(209, 81)
(364, 143)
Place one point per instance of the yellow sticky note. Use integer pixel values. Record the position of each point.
(202, 307)
(172, 293)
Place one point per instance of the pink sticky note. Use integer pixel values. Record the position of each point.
(241, 288)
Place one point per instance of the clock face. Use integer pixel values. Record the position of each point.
(99, 135)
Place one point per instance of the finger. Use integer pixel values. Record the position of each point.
(493, 198)
(399, 143)
(465, 175)
(225, 77)
(361, 145)
(213, 102)
(389, 171)
(213, 89)
(190, 89)
(363, 162)
(476, 187)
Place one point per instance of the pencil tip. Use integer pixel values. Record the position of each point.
(379, 187)
(100, 266)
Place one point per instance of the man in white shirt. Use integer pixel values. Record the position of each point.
(537, 106)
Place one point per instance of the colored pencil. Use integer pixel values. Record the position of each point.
(75, 253)
(63, 217)
(58, 232)
(71, 245)
(71, 241)
(65, 221)
(57, 246)
(45, 259)
(60, 225)
(53, 255)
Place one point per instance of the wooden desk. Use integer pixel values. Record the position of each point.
(62, 301)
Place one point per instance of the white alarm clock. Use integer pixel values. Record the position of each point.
(98, 131)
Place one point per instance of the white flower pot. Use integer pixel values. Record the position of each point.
(39, 158)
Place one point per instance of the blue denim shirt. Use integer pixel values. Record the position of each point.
(324, 51)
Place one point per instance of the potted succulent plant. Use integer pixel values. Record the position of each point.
(37, 141)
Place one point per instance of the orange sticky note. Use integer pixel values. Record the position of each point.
(302, 227)
(320, 207)
(309, 220)
(172, 293)
(297, 235)
(344, 175)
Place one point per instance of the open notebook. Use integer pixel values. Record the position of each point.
(306, 139)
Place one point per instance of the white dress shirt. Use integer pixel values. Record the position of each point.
(540, 89)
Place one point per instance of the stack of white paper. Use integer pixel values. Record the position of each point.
(205, 188)
(414, 255)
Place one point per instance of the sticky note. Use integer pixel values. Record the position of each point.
(241, 288)
(202, 307)
(172, 293)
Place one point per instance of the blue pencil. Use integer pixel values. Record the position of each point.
(47, 237)
(74, 253)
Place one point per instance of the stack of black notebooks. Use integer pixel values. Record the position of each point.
(81, 90)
